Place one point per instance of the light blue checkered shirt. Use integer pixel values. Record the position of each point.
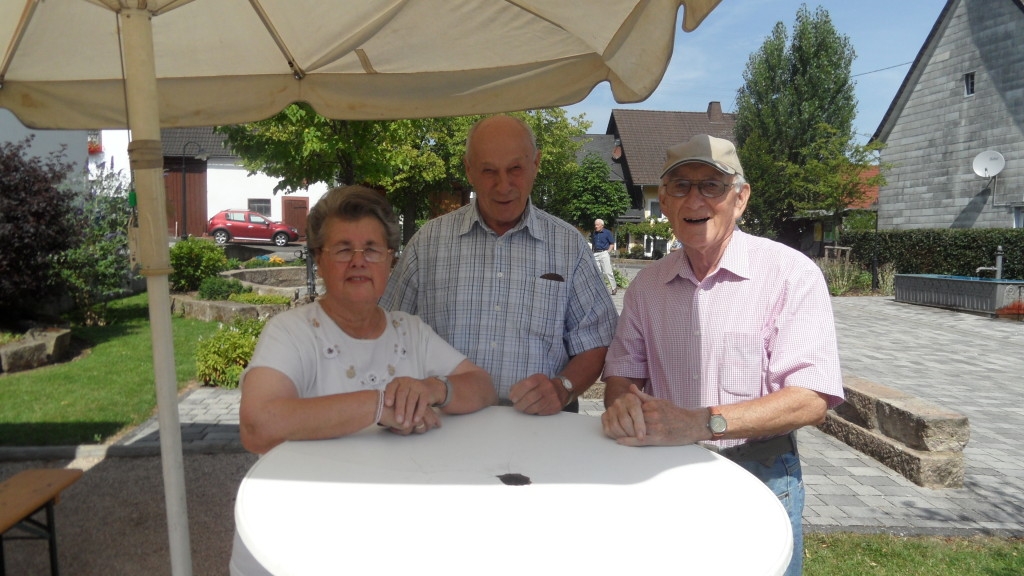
(491, 297)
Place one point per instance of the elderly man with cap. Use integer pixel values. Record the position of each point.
(729, 342)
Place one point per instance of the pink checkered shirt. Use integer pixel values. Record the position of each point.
(761, 322)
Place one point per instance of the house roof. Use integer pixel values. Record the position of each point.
(870, 200)
(917, 68)
(645, 135)
(602, 145)
(176, 142)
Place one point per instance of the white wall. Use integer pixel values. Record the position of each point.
(228, 186)
(46, 141)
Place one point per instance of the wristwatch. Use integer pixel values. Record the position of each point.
(716, 422)
(567, 384)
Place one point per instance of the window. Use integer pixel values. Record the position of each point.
(1018, 217)
(236, 216)
(261, 205)
(969, 84)
(655, 209)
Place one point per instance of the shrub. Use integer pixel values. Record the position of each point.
(840, 275)
(220, 288)
(99, 268)
(621, 280)
(887, 279)
(35, 219)
(221, 358)
(193, 260)
(254, 298)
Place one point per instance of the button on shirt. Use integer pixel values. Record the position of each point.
(517, 304)
(761, 322)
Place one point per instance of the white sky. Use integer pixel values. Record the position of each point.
(708, 63)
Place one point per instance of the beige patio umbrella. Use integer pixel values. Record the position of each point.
(151, 64)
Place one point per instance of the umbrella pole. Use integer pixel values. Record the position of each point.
(146, 157)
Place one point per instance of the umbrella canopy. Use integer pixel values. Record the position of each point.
(233, 61)
(151, 64)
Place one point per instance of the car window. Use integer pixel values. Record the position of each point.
(257, 219)
(236, 217)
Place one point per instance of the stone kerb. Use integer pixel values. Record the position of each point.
(919, 439)
(39, 347)
(221, 310)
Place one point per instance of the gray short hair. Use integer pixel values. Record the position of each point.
(351, 203)
(520, 121)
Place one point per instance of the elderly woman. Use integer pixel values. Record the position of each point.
(341, 364)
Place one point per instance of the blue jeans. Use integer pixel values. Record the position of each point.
(786, 480)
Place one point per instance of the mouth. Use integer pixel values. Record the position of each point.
(696, 220)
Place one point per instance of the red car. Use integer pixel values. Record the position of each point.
(246, 225)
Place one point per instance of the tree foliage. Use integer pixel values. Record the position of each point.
(590, 195)
(833, 175)
(37, 219)
(98, 268)
(416, 162)
(790, 90)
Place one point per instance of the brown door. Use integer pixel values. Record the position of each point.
(295, 209)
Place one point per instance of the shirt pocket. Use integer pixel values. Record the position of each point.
(546, 310)
(740, 372)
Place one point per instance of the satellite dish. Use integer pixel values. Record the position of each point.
(988, 163)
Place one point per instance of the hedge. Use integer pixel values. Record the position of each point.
(957, 252)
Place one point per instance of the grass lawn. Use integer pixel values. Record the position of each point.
(884, 555)
(94, 397)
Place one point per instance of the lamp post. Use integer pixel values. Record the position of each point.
(184, 187)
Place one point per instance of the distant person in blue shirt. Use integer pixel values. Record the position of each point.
(510, 286)
(603, 242)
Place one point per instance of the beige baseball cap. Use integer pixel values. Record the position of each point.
(716, 152)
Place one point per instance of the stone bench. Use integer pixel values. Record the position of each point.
(919, 439)
(39, 347)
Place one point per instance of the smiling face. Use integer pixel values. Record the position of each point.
(703, 225)
(501, 164)
(356, 283)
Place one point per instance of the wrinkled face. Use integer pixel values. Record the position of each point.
(598, 225)
(356, 281)
(501, 165)
(703, 224)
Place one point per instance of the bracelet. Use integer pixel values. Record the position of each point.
(380, 406)
(447, 391)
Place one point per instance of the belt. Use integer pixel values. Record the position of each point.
(596, 251)
(759, 450)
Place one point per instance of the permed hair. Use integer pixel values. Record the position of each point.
(351, 203)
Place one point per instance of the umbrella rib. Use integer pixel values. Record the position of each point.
(297, 72)
(19, 33)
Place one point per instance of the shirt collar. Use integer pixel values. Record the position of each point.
(735, 261)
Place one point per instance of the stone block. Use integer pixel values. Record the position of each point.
(930, 469)
(24, 354)
(907, 419)
(222, 310)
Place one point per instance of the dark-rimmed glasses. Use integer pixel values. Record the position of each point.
(679, 187)
(371, 255)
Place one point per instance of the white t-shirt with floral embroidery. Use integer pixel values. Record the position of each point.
(308, 347)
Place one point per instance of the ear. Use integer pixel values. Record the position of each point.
(741, 200)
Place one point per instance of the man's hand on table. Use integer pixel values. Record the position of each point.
(538, 394)
(638, 419)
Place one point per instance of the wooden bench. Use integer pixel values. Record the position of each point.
(25, 494)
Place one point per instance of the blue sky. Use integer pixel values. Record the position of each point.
(707, 64)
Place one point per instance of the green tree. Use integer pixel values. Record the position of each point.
(833, 175)
(37, 219)
(98, 268)
(790, 89)
(590, 195)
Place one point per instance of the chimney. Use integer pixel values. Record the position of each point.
(715, 112)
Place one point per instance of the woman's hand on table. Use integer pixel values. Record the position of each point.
(409, 401)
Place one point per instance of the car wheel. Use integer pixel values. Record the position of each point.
(221, 236)
(281, 239)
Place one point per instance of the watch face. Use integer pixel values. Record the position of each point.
(717, 424)
(566, 384)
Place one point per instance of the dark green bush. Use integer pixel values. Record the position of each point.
(955, 251)
(220, 288)
(221, 358)
(254, 298)
(193, 260)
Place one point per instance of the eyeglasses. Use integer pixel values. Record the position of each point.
(679, 188)
(371, 255)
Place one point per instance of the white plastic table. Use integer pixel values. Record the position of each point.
(500, 492)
